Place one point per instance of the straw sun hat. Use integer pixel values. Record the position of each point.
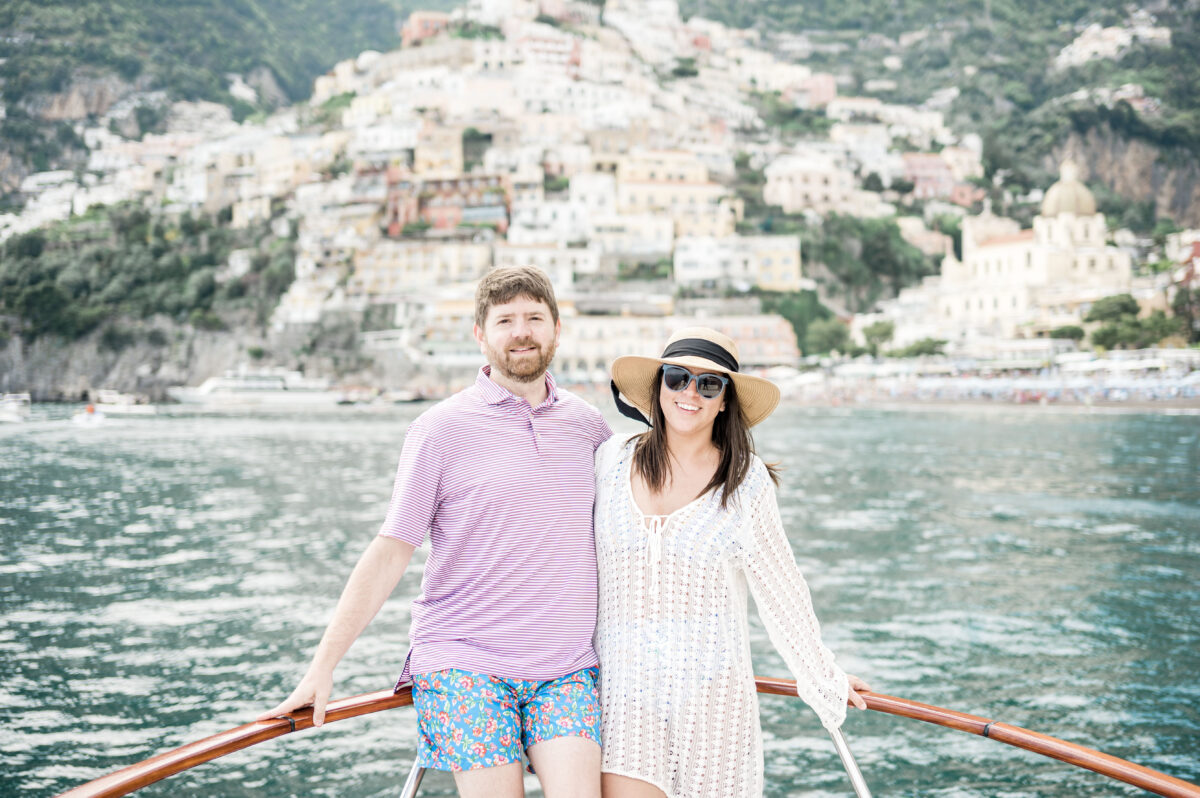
(699, 348)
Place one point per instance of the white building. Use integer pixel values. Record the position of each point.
(811, 181)
(562, 263)
(549, 222)
(1014, 283)
(639, 235)
(1097, 42)
(768, 262)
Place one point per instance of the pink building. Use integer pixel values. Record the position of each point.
(423, 25)
(966, 194)
(930, 175)
(816, 91)
(447, 203)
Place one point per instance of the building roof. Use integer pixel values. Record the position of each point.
(1015, 238)
(1068, 195)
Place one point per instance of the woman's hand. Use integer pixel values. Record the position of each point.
(857, 685)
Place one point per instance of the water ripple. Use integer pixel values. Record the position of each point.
(167, 578)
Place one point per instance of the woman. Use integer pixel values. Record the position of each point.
(686, 520)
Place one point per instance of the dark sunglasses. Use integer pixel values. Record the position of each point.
(677, 378)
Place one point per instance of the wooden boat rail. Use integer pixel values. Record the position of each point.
(134, 777)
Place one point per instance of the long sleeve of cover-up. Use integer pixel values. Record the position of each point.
(785, 606)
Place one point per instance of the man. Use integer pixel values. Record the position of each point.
(501, 476)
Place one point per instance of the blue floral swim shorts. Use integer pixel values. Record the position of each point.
(472, 720)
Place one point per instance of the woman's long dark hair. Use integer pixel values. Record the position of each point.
(730, 434)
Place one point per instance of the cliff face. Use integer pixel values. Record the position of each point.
(54, 370)
(1136, 169)
(86, 96)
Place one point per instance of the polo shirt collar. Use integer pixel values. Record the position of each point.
(494, 393)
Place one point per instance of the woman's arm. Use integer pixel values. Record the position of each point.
(785, 605)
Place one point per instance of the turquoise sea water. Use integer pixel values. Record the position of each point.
(164, 578)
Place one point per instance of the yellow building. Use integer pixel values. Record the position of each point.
(439, 150)
(393, 268)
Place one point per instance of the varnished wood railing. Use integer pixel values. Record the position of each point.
(1043, 744)
(134, 777)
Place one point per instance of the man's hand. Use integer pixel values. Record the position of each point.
(313, 690)
(857, 684)
(377, 572)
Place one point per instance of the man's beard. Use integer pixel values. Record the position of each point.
(524, 368)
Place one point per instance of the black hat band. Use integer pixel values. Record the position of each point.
(701, 347)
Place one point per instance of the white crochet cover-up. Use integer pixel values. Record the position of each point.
(676, 682)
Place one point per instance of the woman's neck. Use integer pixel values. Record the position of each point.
(697, 448)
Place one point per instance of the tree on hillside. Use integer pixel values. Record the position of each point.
(824, 336)
(1112, 308)
(1070, 332)
(1186, 307)
(867, 257)
(801, 308)
(950, 225)
(1122, 329)
(878, 334)
(926, 346)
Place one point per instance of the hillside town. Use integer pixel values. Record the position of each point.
(607, 153)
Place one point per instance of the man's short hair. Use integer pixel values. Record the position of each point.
(506, 283)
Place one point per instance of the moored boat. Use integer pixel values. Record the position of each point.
(258, 387)
(134, 777)
(123, 404)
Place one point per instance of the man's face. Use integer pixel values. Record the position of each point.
(519, 338)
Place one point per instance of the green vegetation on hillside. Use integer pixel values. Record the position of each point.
(125, 263)
(867, 258)
(998, 54)
(801, 308)
(184, 48)
(1120, 327)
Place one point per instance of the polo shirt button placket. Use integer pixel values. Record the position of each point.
(537, 438)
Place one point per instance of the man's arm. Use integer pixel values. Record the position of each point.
(371, 582)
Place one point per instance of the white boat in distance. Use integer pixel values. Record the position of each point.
(272, 387)
(15, 408)
(123, 404)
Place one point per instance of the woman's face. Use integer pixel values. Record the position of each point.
(686, 412)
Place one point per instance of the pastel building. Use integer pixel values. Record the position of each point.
(1014, 283)
(771, 263)
(589, 344)
(810, 181)
(397, 268)
(562, 263)
(423, 25)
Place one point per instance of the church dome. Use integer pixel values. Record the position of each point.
(1068, 195)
